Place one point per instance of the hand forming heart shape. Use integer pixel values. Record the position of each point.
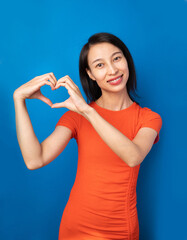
(31, 90)
(76, 101)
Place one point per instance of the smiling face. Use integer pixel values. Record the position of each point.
(107, 62)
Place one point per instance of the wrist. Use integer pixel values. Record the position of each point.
(18, 100)
(88, 112)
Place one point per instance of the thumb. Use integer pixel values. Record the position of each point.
(58, 105)
(45, 99)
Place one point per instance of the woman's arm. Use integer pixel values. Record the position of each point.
(28, 142)
(131, 152)
(37, 155)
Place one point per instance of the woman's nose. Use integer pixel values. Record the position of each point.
(112, 69)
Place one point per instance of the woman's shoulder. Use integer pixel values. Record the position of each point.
(148, 111)
(69, 116)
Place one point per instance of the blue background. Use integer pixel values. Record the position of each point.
(38, 37)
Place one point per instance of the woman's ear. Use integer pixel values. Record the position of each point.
(90, 74)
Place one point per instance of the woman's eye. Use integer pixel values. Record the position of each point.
(99, 65)
(116, 58)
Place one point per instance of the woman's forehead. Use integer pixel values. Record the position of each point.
(101, 50)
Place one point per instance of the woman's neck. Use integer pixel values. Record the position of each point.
(114, 102)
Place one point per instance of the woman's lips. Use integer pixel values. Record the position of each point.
(116, 81)
(115, 78)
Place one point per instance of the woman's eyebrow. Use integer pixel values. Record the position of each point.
(101, 58)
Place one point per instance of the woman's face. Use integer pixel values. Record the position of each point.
(107, 62)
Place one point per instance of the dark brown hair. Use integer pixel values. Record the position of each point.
(90, 87)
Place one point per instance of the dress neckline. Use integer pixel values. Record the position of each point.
(112, 111)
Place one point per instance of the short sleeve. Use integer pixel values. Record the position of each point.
(151, 119)
(70, 119)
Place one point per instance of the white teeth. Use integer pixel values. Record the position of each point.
(115, 80)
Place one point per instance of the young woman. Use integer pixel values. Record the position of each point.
(114, 135)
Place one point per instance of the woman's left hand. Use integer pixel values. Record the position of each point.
(76, 101)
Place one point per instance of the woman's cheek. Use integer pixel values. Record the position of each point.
(122, 65)
(101, 74)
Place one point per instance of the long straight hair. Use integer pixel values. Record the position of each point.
(90, 87)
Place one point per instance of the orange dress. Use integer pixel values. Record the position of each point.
(102, 202)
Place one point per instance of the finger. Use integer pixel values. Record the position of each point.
(48, 74)
(45, 100)
(67, 86)
(45, 82)
(66, 83)
(48, 78)
(71, 81)
(68, 80)
(54, 78)
(58, 105)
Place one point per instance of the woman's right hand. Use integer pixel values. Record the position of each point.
(31, 89)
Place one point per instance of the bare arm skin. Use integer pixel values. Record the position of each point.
(28, 142)
(131, 152)
(37, 155)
